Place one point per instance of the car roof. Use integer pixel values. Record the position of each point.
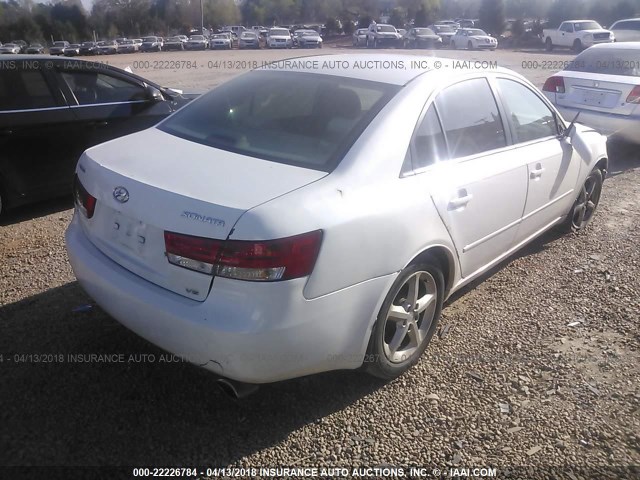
(569, 21)
(353, 65)
(617, 46)
(626, 20)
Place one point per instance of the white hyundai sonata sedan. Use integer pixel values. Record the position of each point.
(304, 218)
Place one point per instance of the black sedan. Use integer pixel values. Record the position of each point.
(49, 116)
(421, 38)
(35, 48)
(88, 48)
(58, 48)
(72, 50)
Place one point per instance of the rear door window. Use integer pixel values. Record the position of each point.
(429, 144)
(22, 89)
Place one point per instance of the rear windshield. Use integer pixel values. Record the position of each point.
(423, 31)
(304, 119)
(279, 32)
(386, 28)
(607, 61)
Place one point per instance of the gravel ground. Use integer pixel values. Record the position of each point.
(535, 365)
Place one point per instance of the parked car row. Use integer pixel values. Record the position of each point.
(434, 36)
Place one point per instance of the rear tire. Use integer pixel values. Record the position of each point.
(469, 45)
(407, 321)
(585, 206)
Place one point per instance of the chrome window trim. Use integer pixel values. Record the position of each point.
(28, 110)
(107, 104)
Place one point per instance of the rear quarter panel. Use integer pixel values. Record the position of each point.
(374, 222)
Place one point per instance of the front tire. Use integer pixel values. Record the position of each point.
(469, 45)
(548, 44)
(585, 206)
(407, 321)
(577, 45)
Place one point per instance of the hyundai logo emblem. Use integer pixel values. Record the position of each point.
(121, 194)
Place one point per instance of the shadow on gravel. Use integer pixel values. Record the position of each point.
(139, 411)
(40, 209)
(536, 246)
(622, 157)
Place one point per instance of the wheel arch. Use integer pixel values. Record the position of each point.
(444, 258)
(603, 165)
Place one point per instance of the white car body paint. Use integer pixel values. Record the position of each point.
(375, 220)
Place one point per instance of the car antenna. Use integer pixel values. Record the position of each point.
(567, 132)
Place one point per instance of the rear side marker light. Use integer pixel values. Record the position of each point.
(554, 85)
(265, 260)
(85, 202)
(634, 96)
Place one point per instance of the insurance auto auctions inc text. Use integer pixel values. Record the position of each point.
(355, 472)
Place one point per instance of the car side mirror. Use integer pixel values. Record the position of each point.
(575, 138)
(153, 94)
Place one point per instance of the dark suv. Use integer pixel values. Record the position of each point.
(49, 116)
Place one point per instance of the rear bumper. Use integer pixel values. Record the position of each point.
(246, 331)
(625, 127)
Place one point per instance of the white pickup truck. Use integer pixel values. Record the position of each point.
(577, 35)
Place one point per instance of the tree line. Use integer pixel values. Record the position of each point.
(69, 20)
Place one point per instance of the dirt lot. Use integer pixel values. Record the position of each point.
(536, 365)
(201, 70)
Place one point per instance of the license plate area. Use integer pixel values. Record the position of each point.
(129, 233)
(593, 98)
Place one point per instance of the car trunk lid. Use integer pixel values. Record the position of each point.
(151, 182)
(604, 93)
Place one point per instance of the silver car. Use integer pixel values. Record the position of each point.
(349, 204)
(627, 30)
(10, 48)
(603, 85)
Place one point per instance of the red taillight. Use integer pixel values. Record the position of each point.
(554, 84)
(85, 202)
(268, 260)
(634, 96)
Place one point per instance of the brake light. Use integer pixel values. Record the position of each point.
(85, 202)
(554, 84)
(634, 96)
(268, 260)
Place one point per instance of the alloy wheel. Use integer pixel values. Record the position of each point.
(410, 316)
(586, 203)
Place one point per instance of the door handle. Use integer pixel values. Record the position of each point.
(6, 131)
(460, 201)
(537, 172)
(102, 123)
